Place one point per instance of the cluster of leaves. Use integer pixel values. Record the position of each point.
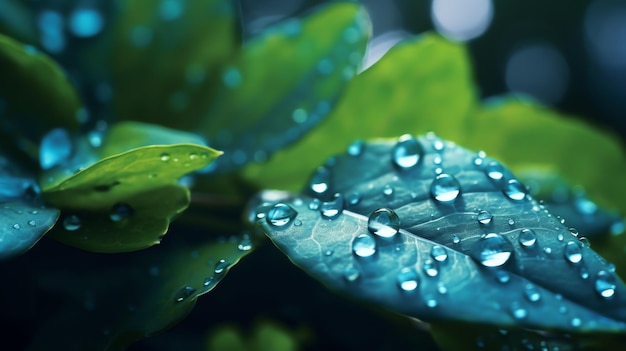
(113, 157)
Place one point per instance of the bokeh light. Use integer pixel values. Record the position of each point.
(462, 20)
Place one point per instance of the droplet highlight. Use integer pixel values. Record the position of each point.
(445, 188)
(384, 223)
(407, 152)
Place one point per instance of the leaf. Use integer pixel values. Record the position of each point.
(125, 201)
(28, 76)
(420, 85)
(468, 243)
(116, 301)
(284, 82)
(166, 58)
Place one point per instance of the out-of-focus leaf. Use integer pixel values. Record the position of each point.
(28, 76)
(125, 201)
(140, 295)
(429, 229)
(167, 56)
(284, 82)
(420, 85)
(266, 336)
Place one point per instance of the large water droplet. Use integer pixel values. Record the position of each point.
(55, 148)
(320, 181)
(431, 268)
(71, 223)
(184, 293)
(445, 188)
(351, 273)
(356, 148)
(531, 293)
(332, 209)
(494, 170)
(120, 211)
(407, 152)
(492, 250)
(280, 215)
(514, 190)
(527, 238)
(221, 266)
(384, 222)
(605, 284)
(439, 253)
(573, 252)
(484, 217)
(408, 279)
(364, 246)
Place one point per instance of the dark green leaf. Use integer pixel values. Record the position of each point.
(284, 82)
(420, 85)
(471, 244)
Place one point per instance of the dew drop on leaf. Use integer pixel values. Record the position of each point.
(605, 284)
(494, 170)
(518, 311)
(503, 277)
(573, 252)
(492, 250)
(408, 279)
(407, 152)
(527, 238)
(364, 246)
(320, 181)
(165, 157)
(221, 266)
(384, 223)
(445, 188)
(439, 253)
(484, 217)
(531, 293)
(356, 148)
(431, 268)
(120, 211)
(184, 293)
(71, 223)
(280, 215)
(351, 273)
(514, 190)
(332, 209)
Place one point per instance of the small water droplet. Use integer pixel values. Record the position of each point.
(356, 148)
(71, 223)
(165, 157)
(456, 239)
(407, 152)
(605, 284)
(320, 181)
(573, 252)
(388, 191)
(431, 268)
(479, 159)
(492, 250)
(120, 211)
(328, 253)
(245, 244)
(221, 266)
(494, 170)
(364, 246)
(297, 223)
(560, 237)
(511, 222)
(437, 160)
(503, 277)
(585, 241)
(314, 205)
(207, 281)
(531, 293)
(332, 209)
(576, 322)
(445, 188)
(518, 311)
(573, 231)
(408, 279)
(514, 190)
(439, 253)
(547, 250)
(184, 293)
(32, 223)
(584, 273)
(353, 199)
(430, 301)
(351, 273)
(484, 217)
(280, 215)
(16, 226)
(527, 238)
(384, 223)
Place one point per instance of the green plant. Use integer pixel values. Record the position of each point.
(414, 224)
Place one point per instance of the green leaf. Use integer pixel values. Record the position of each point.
(420, 85)
(284, 82)
(426, 228)
(27, 76)
(125, 201)
(115, 302)
(166, 60)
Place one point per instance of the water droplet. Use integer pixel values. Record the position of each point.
(455, 239)
(280, 215)
(484, 217)
(442, 289)
(407, 152)
(479, 159)
(494, 170)
(573, 252)
(573, 231)
(245, 244)
(514, 190)
(585, 241)
(445, 188)
(527, 238)
(584, 273)
(314, 205)
(439, 253)
(431, 268)
(408, 279)
(332, 209)
(165, 157)
(184, 293)
(438, 144)
(16, 226)
(518, 311)
(297, 223)
(364, 246)
(492, 250)
(55, 148)
(576, 322)
(547, 250)
(560, 237)
(437, 160)
(328, 253)
(120, 211)
(605, 284)
(531, 293)
(320, 181)
(351, 273)
(431, 302)
(354, 199)
(511, 222)
(503, 277)
(32, 223)
(356, 148)
(207, 281)
(71, 223)
(85, 22)
(221, 266)
(384, 223)
(388, 191)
